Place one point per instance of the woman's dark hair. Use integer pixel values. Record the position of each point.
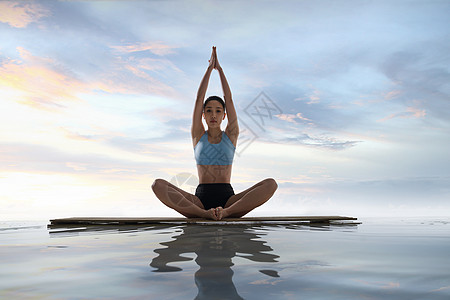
(215, 98)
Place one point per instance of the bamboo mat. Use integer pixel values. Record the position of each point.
(117, 221)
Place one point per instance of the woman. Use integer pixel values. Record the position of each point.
(214, 151)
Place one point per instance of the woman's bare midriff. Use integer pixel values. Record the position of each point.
(214, 173)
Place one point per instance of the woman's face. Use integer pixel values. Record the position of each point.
(214, 113)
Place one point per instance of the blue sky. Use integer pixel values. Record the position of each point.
(97, 99)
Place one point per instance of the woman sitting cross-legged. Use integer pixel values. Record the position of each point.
(214, 152)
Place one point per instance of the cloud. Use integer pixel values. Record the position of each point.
(134, 73)
(312, 98)
(19, 14)
(292, 131)
(132, 79)
(383, 197)
(293, 117)
(77, 136)
(420, 77)
(31, 158)
(322, 142)
(411, 112)
(41, 81)
(391, 94)
(45, 83)
(158, 48)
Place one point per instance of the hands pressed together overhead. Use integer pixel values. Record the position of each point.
(213, 61)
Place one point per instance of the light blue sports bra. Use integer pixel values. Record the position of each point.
(221, 154)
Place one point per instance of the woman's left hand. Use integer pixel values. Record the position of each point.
(212, 60)
(216, 65)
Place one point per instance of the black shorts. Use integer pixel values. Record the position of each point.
(213, 195)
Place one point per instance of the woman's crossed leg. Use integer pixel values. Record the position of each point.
(237, 206)
(183, 202)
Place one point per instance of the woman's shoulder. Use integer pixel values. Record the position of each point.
(232, 137)
(197, 136)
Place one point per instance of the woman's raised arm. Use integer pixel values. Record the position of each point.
(232, 129)
(197, 128)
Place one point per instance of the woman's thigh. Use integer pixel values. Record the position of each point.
(238, 196)
(264, 188)
(169, 186)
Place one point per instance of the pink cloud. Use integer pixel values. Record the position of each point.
(75, 135)
(392, 94)
(157, 48)
(19, 14)
(411, 112)
(39, 81)
(132, 75)
(415, 112)
(43, 84)
(313, 97)
(292, 118)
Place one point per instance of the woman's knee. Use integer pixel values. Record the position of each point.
(270, 183)
(158, 184)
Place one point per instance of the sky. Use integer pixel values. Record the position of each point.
(345, 104)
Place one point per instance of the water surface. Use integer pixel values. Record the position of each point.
(378, 259)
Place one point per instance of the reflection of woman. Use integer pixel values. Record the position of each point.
(215, 249)
(214, 151)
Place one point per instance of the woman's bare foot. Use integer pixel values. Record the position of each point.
(210, 214)
(221, 213)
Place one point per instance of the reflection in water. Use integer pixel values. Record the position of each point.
(215, 247)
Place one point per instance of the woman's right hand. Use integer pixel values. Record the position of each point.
(212, 60)
(216, 60)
